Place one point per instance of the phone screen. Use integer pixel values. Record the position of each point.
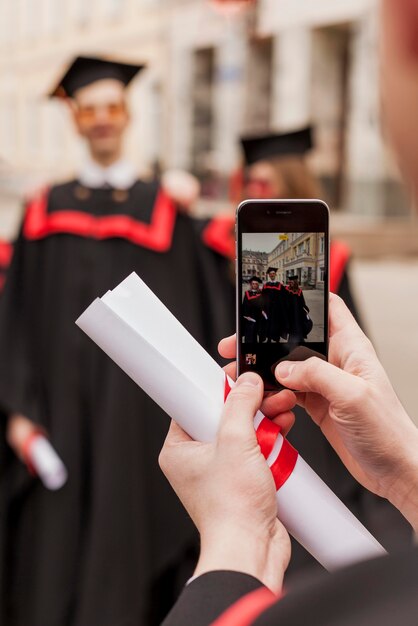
(282, 284)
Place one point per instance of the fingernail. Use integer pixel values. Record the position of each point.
(248, 379)
(283, 370)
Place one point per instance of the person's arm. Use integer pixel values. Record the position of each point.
(352, 401)
(227, 487)
(234, 509)
(304, 305)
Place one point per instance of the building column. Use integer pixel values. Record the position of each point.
(366, 154)
(291, 78)
(229, 97)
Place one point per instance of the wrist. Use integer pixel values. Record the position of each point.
(403, 492)
(264, 556)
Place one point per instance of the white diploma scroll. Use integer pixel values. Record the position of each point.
(141, 335)
(46, 463)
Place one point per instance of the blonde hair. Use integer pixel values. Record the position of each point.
(295, 177)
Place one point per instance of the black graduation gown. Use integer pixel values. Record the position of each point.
(252, 308)
(109, 547)
(296, 315)
(275, 326)
(381, 592)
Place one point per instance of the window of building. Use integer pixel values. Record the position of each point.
(331, 70)
(202, 111)
(322, 274)
(321, 245)
(257, 116)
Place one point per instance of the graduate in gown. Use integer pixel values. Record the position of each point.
(276, 324)
(297, 310)
(253, 311)
(113, 546)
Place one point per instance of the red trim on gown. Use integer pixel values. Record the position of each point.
(157, 235)
(339, 257)
(219, 235)
(273, 287)
(6, 251)
(246, 610)
(247, 293)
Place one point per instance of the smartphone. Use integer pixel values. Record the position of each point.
(282, 284)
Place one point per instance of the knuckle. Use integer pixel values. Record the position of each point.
(359, 393)
(311, 365)
(164, 459)
(240, 394)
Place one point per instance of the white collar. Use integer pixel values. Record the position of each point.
(120, 175)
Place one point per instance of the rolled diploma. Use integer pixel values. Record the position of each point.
(47, 464)
(141, 335)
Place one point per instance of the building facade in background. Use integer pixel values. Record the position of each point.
(280, 65)
(254, 264)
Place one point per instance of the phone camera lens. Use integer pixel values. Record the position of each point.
(268, 212)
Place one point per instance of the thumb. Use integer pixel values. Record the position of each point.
(318, 376)
(242, 404)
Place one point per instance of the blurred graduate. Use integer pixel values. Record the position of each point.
(113, 545)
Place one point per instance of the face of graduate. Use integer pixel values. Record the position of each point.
(263, 181)
(101, 117)
(272, 276)
(399, 82)
(254, 285)
(293, 284)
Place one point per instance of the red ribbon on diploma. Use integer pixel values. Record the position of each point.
(267, 433)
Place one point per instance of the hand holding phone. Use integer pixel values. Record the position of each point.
(282, 283)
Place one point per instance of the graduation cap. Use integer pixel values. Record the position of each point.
(294, 277)
(285, 144)
(271, 269)
(255, 278)
(86, 70)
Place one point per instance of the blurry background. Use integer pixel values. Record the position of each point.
(213, 75)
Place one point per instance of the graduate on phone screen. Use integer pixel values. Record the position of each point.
(274, 299)
(253, 311)
(297, 311)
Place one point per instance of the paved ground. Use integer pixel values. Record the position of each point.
(387, 293)
(315, 300)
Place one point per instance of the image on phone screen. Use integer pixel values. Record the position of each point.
(283, 298)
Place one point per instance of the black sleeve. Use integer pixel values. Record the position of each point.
(305, 306)
(18, 388)
(209, 595)
(381, 592)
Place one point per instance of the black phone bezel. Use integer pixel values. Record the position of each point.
(279, 216)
